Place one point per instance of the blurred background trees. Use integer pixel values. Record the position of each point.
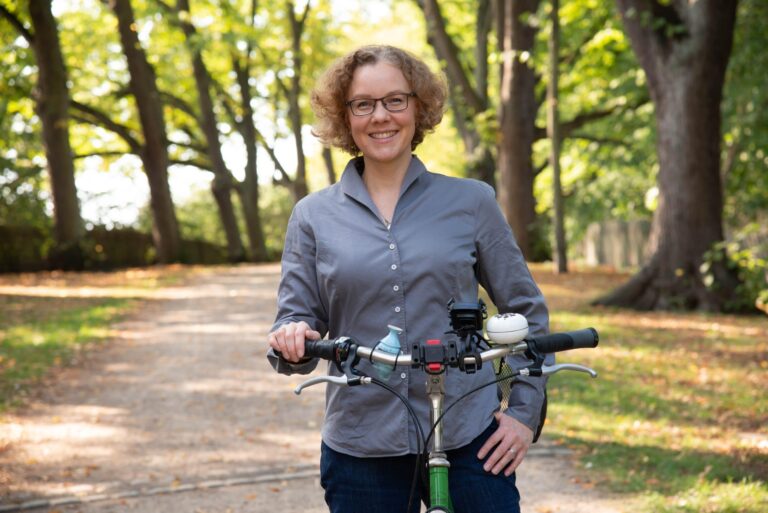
(189, 120)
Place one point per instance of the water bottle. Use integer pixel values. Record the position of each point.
(389, 344)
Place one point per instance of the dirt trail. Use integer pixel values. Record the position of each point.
(181, 413)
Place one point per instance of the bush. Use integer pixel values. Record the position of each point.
(22, 249)
(750, 269)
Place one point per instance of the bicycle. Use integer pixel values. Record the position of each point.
(507, 335)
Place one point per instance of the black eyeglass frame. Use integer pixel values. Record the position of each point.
(374, 100)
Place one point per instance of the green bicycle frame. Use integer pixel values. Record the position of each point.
(438, 489)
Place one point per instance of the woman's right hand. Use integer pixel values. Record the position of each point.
(289, 339)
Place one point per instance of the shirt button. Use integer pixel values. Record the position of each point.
(403, 375)
(394, 266)
(392, 246)
(397, 309)
(395, 288)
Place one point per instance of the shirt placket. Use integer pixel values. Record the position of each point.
(396, 287)
(398, 307)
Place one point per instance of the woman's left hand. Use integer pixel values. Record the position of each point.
(509, 444)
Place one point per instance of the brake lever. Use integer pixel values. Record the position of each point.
(335, 380)
(548, 370)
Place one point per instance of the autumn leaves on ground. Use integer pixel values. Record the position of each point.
(678, 419)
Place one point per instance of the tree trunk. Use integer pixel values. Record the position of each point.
(684, 52)
(249, 188)
(465, 100)
(328, 159)
(52, 105)
(154, 156)
(517, 121)
(222, 184)
(294, 109)
(553, 129)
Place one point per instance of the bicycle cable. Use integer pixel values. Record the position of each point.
(454, 403)
(420, 443)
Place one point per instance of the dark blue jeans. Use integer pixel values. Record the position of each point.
(382, 485)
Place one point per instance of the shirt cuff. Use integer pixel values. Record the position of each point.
(525, 402)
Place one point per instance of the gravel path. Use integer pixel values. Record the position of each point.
(181, 413)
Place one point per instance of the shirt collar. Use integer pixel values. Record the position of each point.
(352, 181)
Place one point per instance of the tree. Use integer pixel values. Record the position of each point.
(517, 120)
(469, 101)
(222, 184)
(684, 49)
(154, 152)
(248, 188)
(295, 52)
(553, 131)
(52, 104)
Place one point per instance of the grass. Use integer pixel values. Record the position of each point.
(678, 416)
(48, 319)
(28, 350)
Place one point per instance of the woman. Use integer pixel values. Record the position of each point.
(390, 244)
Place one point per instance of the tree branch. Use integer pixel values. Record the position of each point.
(199, 148)
(482, 29)
(584, 118)
(284, 178)
(600, 140)
(651, 40)
(304, 15)
(17, 24)
(179, 104)
(201, 165)
(566, 61)
(448, 53)
(113, 153)
(96, 117)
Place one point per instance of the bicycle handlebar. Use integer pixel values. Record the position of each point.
(332, 349)
(556, 342)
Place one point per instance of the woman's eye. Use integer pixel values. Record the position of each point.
(364, 104)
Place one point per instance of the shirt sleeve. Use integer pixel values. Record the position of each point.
(504, 274)
(298, 297)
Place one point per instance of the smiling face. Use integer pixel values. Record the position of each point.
(382, 137)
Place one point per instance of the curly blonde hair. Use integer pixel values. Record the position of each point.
(329, 98)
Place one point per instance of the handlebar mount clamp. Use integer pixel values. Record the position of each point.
(434, 356)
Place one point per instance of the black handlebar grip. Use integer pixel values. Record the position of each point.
(555, 342)
(325, 349)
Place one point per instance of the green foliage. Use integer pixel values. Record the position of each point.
(745, 119)
(23, 192)
(277, 204)
(198, 218)
(751, 270)
(609, 165)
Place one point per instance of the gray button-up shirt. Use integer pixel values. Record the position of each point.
(346, 274)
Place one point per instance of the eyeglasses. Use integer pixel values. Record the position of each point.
(396, 102)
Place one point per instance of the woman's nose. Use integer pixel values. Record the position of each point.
(379, 111)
